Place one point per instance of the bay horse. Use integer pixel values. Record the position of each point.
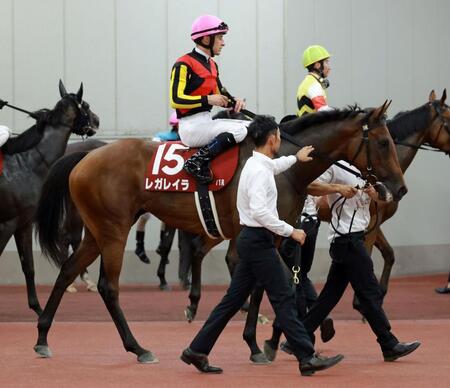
(107, 188)
(429, 124)
(410, 130)
(27, 160)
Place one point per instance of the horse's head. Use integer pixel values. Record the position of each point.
(375, 155)
(438, 135)
(72, 111)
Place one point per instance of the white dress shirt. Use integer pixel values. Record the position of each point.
(353, 215)
(257, 193)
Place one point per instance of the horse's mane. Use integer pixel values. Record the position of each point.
(301, 123)
(406, 123)
(31, 137)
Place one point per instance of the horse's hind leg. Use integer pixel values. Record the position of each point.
(24, 238)
(165, 244)
(77, 262)
(108, 287)
(249, 335)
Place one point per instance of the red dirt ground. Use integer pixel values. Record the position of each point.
(88, 351)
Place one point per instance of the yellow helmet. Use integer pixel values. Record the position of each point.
(314, 54)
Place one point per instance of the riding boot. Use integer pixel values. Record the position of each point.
(140, 250)
(198, 164)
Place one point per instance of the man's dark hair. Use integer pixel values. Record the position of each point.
(261, 128)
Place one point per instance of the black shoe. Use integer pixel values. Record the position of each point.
(443, 290)
(400, 350)
(318, 363)
(327, 331)
(285, 347)
(140, 252)
(199, 360)
(199, 168)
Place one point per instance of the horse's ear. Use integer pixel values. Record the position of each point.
(380, 111)
(387, 106)
(432, 96)
(62, 89)
(444, 96)
(80, 93)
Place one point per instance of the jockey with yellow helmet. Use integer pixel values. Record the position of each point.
(195, 88)
(311, 96)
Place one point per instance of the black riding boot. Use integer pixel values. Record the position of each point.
(140, 250)
(198, 164)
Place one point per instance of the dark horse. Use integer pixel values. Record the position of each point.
(24, 173)
(107, 187)
(427, 124)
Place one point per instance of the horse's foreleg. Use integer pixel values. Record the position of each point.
(77, 262)
(23, 238)
(108, 287)
(165, 244)
(196, 285)
(389, 258)
(249, 335)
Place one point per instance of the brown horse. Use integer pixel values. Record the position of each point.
(107, 187)
(428, 124)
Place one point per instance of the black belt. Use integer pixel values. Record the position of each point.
(349, 237)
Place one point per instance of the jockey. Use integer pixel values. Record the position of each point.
(311, 94)
(194, 88)
(172, 133)
(4, 134)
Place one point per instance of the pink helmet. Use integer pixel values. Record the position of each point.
(173, 120)
(208, 25)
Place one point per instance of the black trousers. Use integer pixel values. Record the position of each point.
(259, 262)
(351, 264)
(292, 252)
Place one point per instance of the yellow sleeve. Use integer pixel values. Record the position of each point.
(178, 98)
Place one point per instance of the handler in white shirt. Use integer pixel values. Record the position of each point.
(352, 264)
(259, 261)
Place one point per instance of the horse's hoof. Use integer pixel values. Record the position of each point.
(43, 351)
(259, 359)
(269, 351)
(189, 313)
(263, 320)
(147, 358)
(165, 287)
(71, 288)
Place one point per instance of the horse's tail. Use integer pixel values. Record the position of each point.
(52, 208)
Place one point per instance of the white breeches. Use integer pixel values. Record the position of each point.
(4, 134)
(199, 129)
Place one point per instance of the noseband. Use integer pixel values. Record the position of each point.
(82, 124)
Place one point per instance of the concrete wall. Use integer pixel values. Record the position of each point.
(123, 51)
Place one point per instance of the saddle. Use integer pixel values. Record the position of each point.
(165, 169)
(165, 173)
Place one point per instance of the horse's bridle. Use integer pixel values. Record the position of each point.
(370, 177)
(82, 125)
(444, 123)
(427, 146)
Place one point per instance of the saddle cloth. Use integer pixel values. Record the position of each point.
(165, 169)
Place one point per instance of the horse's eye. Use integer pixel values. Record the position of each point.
(384, 143)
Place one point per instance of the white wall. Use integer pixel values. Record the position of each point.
(123, 51)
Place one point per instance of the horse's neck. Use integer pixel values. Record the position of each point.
(52, 145)
(406, 154)
(329, 146)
